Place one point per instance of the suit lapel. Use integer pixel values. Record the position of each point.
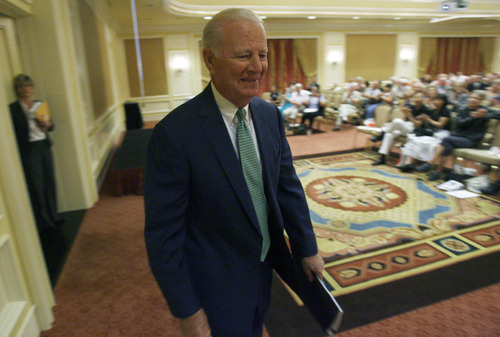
(219, 140)
(264, 140)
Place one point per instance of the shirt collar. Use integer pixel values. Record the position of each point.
(228, 109)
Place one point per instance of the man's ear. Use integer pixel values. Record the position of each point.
(208, 57)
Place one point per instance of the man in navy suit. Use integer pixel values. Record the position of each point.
(203, 235)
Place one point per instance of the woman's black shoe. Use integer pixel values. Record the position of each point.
(424, 167)
(434, 176)
(407, 168)
(491, 189)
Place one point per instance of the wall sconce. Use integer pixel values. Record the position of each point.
(406, 54)
(179, 64)
(334, 57)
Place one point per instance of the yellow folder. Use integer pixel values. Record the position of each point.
(43, 113)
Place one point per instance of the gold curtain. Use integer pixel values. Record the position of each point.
(448, 55)
(272, 63)
(486, 52)
(284, 68)
(306, 51)
(428, 49)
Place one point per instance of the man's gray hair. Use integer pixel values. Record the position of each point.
(212, 31)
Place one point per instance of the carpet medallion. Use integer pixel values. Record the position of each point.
(375, 224)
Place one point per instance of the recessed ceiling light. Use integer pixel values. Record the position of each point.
(356, 18)
(397, 18)
(311, 17)
(207, 17)
(263, 17)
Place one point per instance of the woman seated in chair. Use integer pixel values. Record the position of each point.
(387, 97)
(315, 106)
(471, 125)
(422, 142)
(351, 100)
(400, 127)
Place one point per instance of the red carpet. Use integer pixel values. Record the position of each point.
(106, 287)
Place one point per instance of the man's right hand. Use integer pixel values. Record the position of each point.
(196, 325)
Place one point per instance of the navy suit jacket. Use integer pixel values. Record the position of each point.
(201, 232)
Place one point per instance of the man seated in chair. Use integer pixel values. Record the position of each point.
(372, 95)
(492, 189)
(471, 124)
(315, 106)
(297, 100)
(399, 127)
(351, 100)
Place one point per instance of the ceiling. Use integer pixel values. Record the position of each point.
(424, 16)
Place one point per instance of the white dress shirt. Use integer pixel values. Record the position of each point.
(35, 133)
(228, 111)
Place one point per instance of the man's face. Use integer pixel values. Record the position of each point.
(237, 70)
(474, 101)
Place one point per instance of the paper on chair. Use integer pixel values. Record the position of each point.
(451, 185)
(462, 194)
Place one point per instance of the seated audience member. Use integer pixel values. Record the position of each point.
(314, 83)
(275, 96)
(350, 104)
(459, 97)
(407, 98)
(460, 77)
(422, 143)
(371, 95)
(385, 98)
(296, 100)
(493, 94)
(430, 93)
(488, 80)
(493, 188)
(286, 100)
(399, 127)
(427, 79)
(314, 106)
(418, 86)
(442, 84)
(400, 88)
(470, 126)
(289, 89)
(476, 83)
(362, 83)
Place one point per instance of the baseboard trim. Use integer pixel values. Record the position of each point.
(30, 327)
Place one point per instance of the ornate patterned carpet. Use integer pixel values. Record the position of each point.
(375, 224)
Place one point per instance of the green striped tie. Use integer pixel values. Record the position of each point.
(253, 176)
